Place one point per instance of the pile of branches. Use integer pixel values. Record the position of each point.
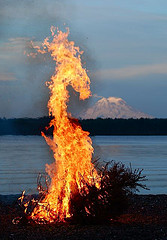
(118, 183)
(94, 204)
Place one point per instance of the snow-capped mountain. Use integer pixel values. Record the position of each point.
(112, 107)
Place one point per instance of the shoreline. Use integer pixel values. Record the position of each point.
(10, 199)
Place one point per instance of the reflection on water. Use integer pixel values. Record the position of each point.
(23, 157)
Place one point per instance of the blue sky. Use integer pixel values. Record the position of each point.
(124, 43)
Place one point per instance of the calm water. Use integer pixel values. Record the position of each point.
(23, 157)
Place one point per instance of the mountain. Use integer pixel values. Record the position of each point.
(112, 107)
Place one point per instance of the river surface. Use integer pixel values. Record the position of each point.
(22, 158)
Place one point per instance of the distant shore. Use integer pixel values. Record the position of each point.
(34, 126)
(145, 219)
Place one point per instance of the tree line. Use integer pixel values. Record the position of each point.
(34, 126)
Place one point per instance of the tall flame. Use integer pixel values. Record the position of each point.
(71, 146)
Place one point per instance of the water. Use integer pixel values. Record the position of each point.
(23, 157)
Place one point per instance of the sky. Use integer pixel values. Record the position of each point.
(124, 44)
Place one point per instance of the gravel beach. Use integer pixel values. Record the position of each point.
(146, 218)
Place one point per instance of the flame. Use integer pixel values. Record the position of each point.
(71, 146)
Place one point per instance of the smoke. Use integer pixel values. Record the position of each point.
(22, 22)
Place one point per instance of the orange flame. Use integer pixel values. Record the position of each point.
(71, 146)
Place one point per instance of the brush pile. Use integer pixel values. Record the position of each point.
(99, 204)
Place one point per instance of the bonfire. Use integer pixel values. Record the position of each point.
(72, 147)
(76, 187)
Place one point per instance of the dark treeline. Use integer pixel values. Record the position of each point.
(126, 126)
(34, 126)
(23, 126)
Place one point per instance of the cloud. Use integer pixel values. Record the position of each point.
(14, 44)
(133, 71)
(13, 48)
(96, 96)
(7, 77)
